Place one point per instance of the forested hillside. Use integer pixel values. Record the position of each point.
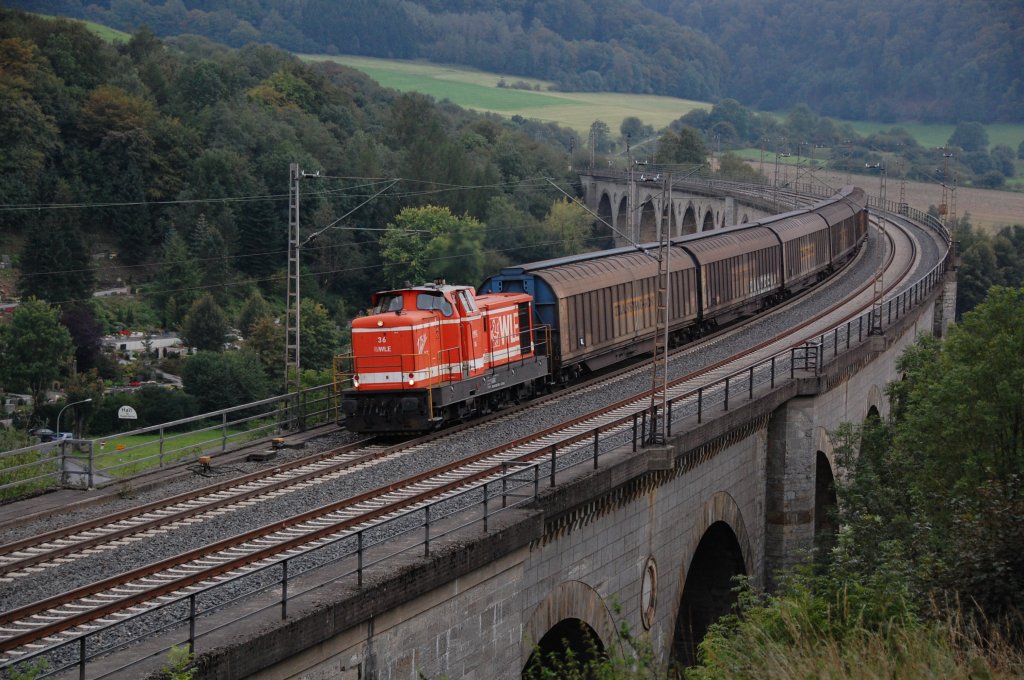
(163, 166)
(913, 60)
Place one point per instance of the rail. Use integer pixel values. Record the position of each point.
(344, 559)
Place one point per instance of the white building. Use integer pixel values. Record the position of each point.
(129, 346)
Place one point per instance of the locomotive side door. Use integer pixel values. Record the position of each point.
(471, 325)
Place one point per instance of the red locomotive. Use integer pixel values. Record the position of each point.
(435, 353)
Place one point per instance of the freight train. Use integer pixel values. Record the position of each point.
(437, 353)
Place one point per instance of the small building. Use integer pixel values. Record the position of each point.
(128, 345)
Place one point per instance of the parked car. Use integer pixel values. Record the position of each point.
(47, 435)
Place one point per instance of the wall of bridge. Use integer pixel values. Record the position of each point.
(476, 607)
(682, 210)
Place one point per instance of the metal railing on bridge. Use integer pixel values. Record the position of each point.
(120, 458)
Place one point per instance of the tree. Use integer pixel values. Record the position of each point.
(219, 380)
(29, 134)
(34, 347)
(685, 146)
(978, 272)
(1008, 246)
(320, 338)
(254, 309)
(79, 386)
(969, 136)
(266, 340)
(512, 234)
(205, 326)
(55, 262)
(993, 179)
(634, 128)
(976, 379)
(177, 282)
(728, 111)
(86, 335)
(207, 245)
(1002, 158)
(801, 122)
(735, 168)
(963, 433)
(930, 507)
(431, 242)
(113, 126)
(156, 404)
(566, 228)
(599, 136)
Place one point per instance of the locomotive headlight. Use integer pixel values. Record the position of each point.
(379, 323)
(412, 379)
(355, 380)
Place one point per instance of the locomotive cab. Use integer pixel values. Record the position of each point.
(436, 352)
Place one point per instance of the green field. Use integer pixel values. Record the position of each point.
(111, 35)
(936, 135)
(145, 448)
(121, 456)
(478, 90)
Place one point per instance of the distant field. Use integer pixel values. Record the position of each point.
(937, 135)
(111, 35)
(478, 90)
(988, 209)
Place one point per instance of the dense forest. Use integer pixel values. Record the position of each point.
(163, 167)
(874, 59)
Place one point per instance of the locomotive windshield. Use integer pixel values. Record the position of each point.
(389, 302)
(430, 301)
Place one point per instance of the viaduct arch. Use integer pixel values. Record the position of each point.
(640, 211)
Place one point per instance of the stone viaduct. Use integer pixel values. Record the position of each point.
(638, 210)
(650, 538)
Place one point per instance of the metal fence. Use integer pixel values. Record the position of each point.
(124, 456)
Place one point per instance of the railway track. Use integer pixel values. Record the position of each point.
(48, 622)
(41, 551)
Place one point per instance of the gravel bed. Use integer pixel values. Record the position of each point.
(90, 569)
(928, 248)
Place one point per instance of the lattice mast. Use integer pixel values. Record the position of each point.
(944, 203)
(659, 377)
(292, 360)
(879, 287)
(902, 208)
